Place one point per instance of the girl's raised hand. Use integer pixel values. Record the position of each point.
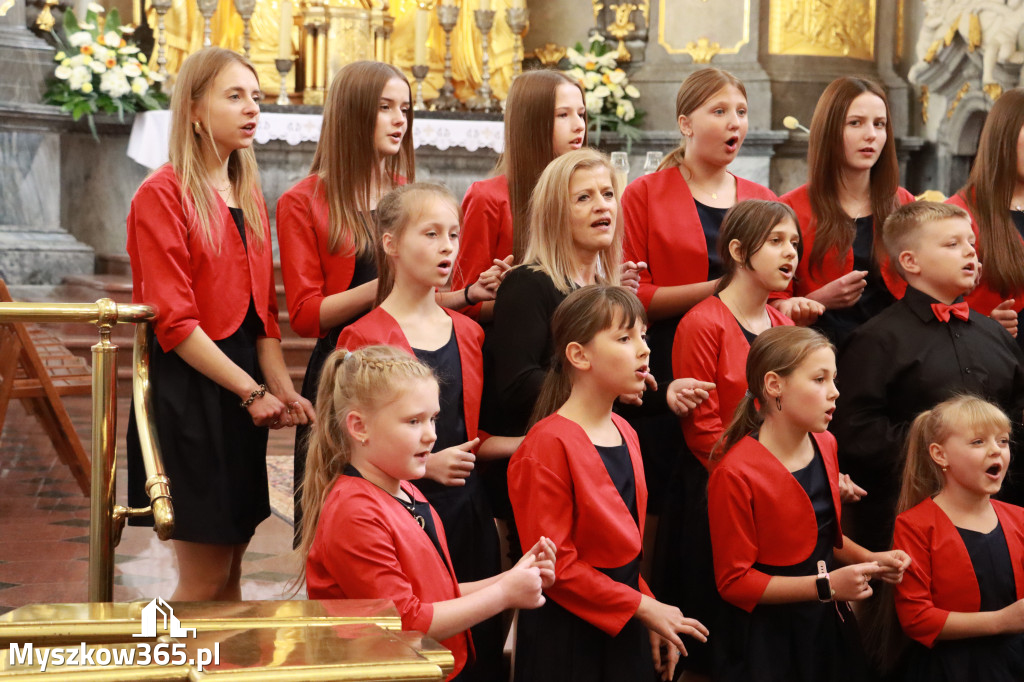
(1005, 315)
(848, 490)
(543, 555)
(803, 311)
(686, 394)
(893, 563)
(853, 583)
(667, 620)
(630, 275)
(452, 466)
(522, 585)
(842, 292)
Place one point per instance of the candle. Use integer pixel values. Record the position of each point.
(422, 23)
(485, 4)
(284, 48)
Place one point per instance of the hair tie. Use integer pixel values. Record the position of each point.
(753, 398)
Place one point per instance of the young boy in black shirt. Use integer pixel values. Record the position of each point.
(918, 352)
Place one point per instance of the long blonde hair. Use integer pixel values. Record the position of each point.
(395, 212)
(551, 246)
(922, 476)
(198, 196)
(368, 379)
(346, 157)
(697, 89)
(578, 319)
(779, 350)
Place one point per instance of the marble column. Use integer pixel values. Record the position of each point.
(34, 246)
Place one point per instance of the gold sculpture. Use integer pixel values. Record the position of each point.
(956, 100)
(827, 28)
(550, 54)
(622, 27)
(703, 50)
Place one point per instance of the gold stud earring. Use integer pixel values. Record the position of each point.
(197, 127)
(365, 441)
(944, 469)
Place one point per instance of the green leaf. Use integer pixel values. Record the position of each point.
(70, 22)
(113, 21)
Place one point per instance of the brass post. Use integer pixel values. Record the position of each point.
(104, 460)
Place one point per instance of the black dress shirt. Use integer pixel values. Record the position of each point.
(904, 361)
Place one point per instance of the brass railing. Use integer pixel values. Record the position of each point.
(106, 518)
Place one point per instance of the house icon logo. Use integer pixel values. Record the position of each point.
(156, 610)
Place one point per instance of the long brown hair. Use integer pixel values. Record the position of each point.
(578, 319)
(989, 191)
(529, 128)
(826, 160)
(922, 475)
(697, 89)
(367, 379)
(396, 210)
(198, 196)
(779, 350)
(749, 222)
(346, 156)
(551, 248)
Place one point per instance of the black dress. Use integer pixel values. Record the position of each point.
(838, 324)
(798, 642)
(214, 456)
(661, 438)
(553, 644)
(365, 271)
(683, 573)
(979, 659)
(465, 511)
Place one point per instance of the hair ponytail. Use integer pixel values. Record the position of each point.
(578, 319)
(367, 379)
(779, 350)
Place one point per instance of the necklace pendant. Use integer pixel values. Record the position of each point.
(420, 520)
(714, 195)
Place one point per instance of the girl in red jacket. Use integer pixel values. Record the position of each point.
(773, 503)
(368, 533)
(418, 232)
(961, 598)
(852, 187)
(994, 196)
(579, 478)
(199, 244)
(545, 117)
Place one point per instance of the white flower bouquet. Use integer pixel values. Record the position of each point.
(607, 92)
(98, 70)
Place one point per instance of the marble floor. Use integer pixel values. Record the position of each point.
(44, 524)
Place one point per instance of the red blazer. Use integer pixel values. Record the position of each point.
(190, 284)
(831, 267)
(368, 546)
(486, 232)
(378, 327)
(664, 230)
(760, 514)
(984, 299)
(560, 488)
(941, 577)
(310, 271)
(710, 346)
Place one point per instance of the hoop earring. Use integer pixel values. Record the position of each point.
(778, 402)
(196, 126)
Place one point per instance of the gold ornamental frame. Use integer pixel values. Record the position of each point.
(693, 46)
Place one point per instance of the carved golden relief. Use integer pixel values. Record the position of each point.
(622, 27)
(899, 30)
(827, 28)
(550, 54)
(703, 50)
(973, 33)
(926, 98)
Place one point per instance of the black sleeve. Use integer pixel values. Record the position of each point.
(870, 442)
(519, 345)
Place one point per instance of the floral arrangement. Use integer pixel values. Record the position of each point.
(608, 94)
(98, 70)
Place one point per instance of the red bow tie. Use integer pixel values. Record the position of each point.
(942, 311)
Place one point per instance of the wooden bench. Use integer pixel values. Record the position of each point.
(38, 370)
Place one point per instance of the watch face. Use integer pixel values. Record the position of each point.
(824, 589)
